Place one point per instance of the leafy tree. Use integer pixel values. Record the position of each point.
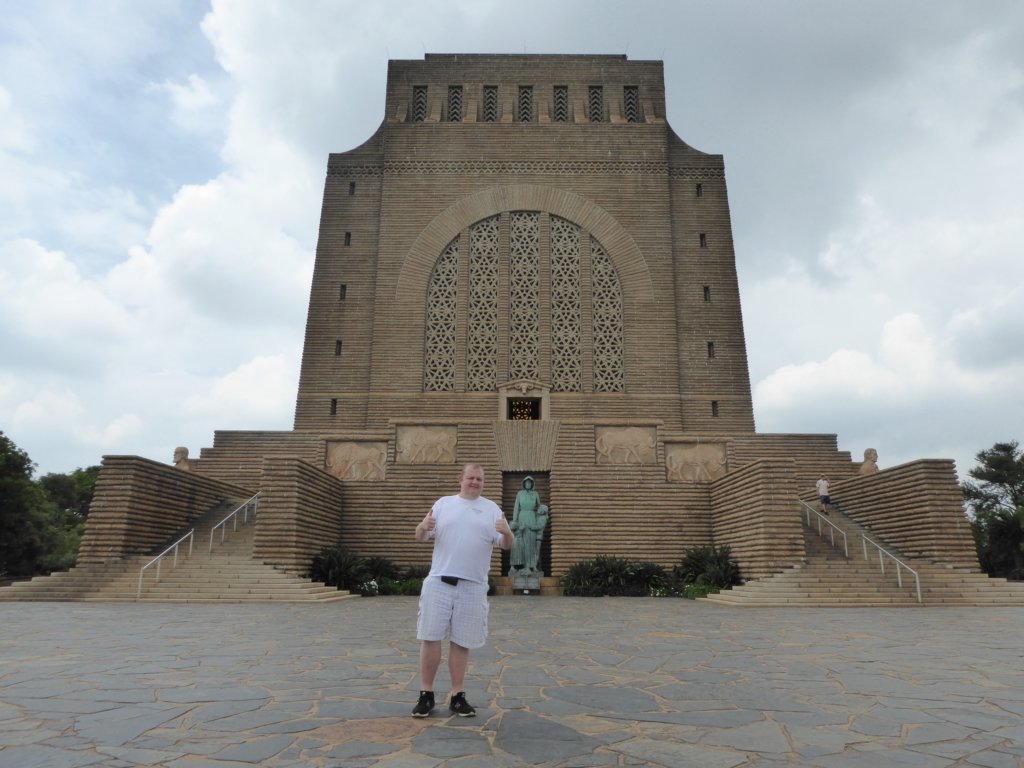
(41, 522)
(995, 503)
(72, 492)
(26, 534)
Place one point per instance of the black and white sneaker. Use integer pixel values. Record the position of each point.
(425, 705)
(460, 706)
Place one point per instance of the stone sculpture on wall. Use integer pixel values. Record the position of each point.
(181, 459)
(626, 445)
(356, 461)
(425, 445)
(870, 464)
(695, 462)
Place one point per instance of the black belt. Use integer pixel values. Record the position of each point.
(453, 580)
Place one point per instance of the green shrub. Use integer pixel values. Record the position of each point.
(339, 567)
(368, 576)
(709, 566)
(613, 576)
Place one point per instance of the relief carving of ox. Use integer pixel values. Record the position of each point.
(695, 463)
(426, 445)
(626, 445)
(356, 461)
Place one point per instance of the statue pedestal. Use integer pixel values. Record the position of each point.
(526, 584)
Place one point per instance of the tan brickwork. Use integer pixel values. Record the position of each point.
(139, 504)
(658, 456)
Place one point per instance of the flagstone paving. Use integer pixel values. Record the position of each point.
(562, 682)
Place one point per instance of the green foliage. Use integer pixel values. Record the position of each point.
(611, 576)
(34, 537)
(72, 493)
(702, 571)
(995, 504)
(369, 576)
(710, 566)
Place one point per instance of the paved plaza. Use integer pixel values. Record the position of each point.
(562, 682)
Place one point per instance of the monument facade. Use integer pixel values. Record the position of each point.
(527, 267)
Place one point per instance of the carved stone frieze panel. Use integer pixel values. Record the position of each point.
(426, 445)
(349, 460)
(626, 445)
(695, 462)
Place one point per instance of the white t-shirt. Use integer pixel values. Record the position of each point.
(464, 537)
(822, 486)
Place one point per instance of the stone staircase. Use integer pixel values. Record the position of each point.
(226, 574)
(827, 579)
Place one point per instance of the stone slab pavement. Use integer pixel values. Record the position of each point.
(563, 682)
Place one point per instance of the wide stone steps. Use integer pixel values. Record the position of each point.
(828, 579)
(226, 574)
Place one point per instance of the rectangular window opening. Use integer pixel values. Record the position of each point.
(524, 409)
(342, 291)
(714, 408)
(595, 103)
(351, 187)
(490, 104)
(334, 406)
(419, 103)
(711, 350)
(348, 238)
(560, 106)
(707, 293)
(525, 104)
(455, 103)
(700, 190)
(631, 103)
(703, 240)
(337, 348)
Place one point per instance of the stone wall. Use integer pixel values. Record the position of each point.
(916, 507)
(300, 513)
(139, 505)
(755, 513)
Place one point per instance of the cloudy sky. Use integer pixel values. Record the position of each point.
(162, 165)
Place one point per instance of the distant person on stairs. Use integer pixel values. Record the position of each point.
(822, 486)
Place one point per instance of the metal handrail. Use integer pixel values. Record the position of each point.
(159, 559)
(882, 554)
(833, 528)
(253, 501)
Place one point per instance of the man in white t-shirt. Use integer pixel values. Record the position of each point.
(453, 602)
(823, 497)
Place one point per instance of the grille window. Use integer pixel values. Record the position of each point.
(419, 103)
(490, 114)
(595, 103)
(524, 409)
(455, 103)
(560, 110)
(525, 104)
(631, 103)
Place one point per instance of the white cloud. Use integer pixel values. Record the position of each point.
(253, 393)
(163, 169)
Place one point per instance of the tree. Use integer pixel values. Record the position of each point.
(41, 521)
(26, 533)
(72, 492)
(996, 507)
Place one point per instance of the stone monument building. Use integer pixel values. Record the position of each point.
(527, 267)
